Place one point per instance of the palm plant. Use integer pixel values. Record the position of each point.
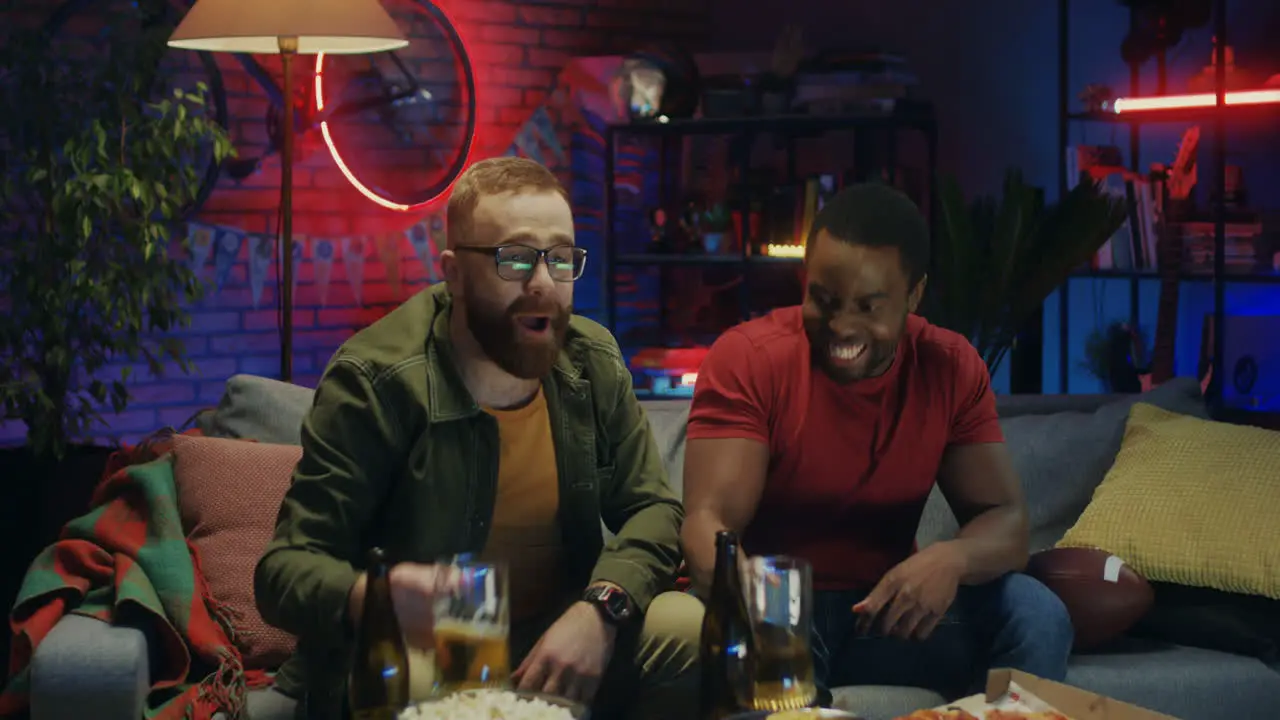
(997, 259)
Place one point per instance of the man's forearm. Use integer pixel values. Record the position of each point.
(992, 544)
(698, 538)
(645, 553)
(305, 593)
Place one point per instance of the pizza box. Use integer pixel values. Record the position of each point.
(1073, 702)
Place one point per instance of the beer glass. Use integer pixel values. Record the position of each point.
(472, 624)
(779, 594)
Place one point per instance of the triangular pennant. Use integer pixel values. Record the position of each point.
(545, 131)
(322, 266)
(225, 253)
(389, 254)
(527, 141)
(200, 245)
(299, 242)
(261, 253)
(353, 251)
(420, 238)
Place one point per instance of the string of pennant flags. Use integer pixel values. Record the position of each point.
(222, 246)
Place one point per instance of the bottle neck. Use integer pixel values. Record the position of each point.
(726, 581)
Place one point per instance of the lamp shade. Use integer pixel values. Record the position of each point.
(340, 27)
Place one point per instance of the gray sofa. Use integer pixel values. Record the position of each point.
(1061, 445)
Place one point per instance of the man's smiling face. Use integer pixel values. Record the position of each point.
(855, 308)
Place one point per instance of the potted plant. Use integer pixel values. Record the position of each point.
(96, 176)
(1116, 355)
(997, 259)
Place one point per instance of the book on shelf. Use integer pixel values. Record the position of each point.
(1133, 247)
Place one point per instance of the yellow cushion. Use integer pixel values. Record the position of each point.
(1192, 502)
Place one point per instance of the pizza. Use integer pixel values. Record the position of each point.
(949, 714)
(957, 714)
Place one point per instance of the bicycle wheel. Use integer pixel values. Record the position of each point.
(86, 25)
(400, 126)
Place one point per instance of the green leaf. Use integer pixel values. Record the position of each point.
(997, 259)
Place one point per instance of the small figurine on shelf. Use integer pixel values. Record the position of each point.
(659, 235)
(690, 226)
(715, 226)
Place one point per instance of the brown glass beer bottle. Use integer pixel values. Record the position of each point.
(379, 684)
(726, 644)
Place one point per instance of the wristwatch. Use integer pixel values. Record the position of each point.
(614, 605)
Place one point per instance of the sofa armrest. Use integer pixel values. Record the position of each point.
(86, 668)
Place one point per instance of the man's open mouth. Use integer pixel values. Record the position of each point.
(846, 352)
(534, 323)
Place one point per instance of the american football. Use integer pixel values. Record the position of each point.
(1103, 595)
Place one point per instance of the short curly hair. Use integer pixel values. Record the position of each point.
(877, 215)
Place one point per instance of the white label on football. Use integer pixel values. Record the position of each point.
(1111, 571)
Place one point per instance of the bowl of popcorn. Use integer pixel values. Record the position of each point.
(496, 705)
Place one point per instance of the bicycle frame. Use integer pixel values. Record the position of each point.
(319, 114)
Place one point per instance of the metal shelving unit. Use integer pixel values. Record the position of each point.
(908, 115)
(1216, 118)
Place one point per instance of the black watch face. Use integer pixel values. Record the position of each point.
(613, 603)
(618, 605)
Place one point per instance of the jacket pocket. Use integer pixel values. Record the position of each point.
(602, 481)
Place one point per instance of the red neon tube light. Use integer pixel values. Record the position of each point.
(337, 156)
(1197, 100)
(350, 175)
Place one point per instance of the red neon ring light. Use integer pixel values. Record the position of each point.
(468, 145)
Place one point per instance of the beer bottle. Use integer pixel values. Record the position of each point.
(726, 643)
(379, 683)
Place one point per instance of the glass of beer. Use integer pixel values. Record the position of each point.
(472, 624)
(779, 594)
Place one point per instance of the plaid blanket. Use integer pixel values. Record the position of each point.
(130, 555)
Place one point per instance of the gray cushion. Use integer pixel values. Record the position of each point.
(262, 409)
(1062, 457)
(669, 419)
(1187, 683)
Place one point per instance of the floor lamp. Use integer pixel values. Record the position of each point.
(288, 28)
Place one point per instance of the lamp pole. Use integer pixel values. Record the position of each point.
(288, 49)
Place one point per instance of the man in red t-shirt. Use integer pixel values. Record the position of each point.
(819, 431)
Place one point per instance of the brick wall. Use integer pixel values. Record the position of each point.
(517, 49)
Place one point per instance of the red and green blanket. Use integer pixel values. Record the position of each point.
(130, 556)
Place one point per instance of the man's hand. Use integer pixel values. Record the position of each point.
(414, 589)
(911, 599)
(570, 657)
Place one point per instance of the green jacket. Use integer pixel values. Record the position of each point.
(396, 453)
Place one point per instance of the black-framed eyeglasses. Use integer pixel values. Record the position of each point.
(515, 262)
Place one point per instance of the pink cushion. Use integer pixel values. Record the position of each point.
(229, 492)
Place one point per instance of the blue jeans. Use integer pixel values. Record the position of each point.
(1012, 622)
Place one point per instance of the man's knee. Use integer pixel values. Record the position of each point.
(1035, 629)
(1029, 604)
(669, 638)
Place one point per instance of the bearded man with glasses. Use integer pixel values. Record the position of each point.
(482, 417)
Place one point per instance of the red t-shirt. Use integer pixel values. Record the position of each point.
(850, 466)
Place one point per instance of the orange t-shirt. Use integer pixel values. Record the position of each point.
(525, 531)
